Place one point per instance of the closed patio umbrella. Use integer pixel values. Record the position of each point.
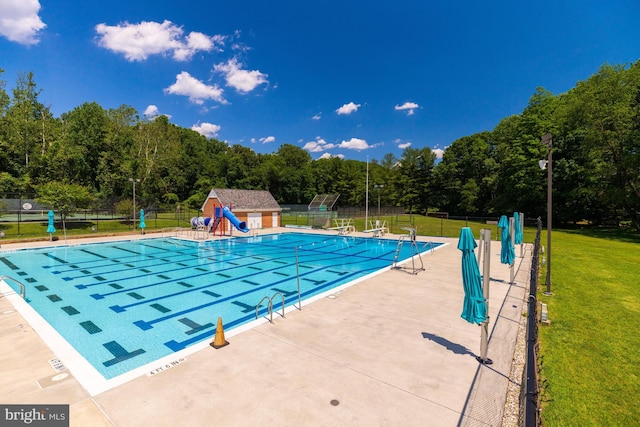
(475, 305)
(142, 225)
(507, 253)
(518, 229)
(50, 227)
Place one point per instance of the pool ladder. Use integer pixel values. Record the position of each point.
(23, 292)
(270, 305)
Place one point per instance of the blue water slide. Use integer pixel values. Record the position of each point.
(240, 225)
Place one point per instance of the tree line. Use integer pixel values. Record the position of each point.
(92, 152)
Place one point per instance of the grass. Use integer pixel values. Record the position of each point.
(590, 352)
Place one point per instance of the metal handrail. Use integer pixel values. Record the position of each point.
(175, 230)
(270, 305)
(428, 244)
(23, 292)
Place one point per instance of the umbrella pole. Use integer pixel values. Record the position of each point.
(512, 229)
(484, 326)
(522, 228)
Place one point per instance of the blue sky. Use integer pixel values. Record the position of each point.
(353, 78)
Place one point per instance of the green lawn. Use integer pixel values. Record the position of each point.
(590, 352)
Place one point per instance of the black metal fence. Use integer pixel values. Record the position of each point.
(529, 395)
(26, 218)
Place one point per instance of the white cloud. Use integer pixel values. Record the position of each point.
(151, 111)
(139, 41)
(348, 108)
(318, 145)
(253, 140)
(207, 129)
(268, 139)
(242, 80)
(439, 152)
(196, 90)
(354, 144)
(19, 21)
(329, 155)
(404, 145)
(408, 106)
(317, 116)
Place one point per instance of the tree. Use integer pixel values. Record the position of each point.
(76, 156)
(24, 128)
(461, 180)
(64, 198)
(604, 111)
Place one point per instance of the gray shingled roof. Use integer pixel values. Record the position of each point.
(245, 199)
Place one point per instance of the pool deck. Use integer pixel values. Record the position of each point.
(389, 351)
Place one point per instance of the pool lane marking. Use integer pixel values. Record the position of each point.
(9, 264)
(328, 255)
(145, 325)
(180, 268)
(119, 353)
(179, 345)
(119, 308)
(181, 278)
(150, 273)
(120, 261)
(186, 250)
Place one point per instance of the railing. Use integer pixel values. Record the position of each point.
(174, 231)
(23, 292)
(530, 390)
(270, 305)
(428, 246)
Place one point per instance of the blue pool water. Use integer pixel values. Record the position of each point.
(124, 304)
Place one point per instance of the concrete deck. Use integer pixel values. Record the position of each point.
(389, 351)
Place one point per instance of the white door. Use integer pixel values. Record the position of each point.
(274, 219)
(254, 220)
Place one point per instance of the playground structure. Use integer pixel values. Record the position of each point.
(204, 226)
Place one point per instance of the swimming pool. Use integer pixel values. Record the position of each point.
(125, 304)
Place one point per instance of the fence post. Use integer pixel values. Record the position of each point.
(532, 389)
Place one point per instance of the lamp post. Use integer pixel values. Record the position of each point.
(134, 181)
(378, 189)
(548, 141)
(366, 199)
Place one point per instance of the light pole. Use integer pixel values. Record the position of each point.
(378, 189)
(134, 181)
(366, 199)
(548, 141)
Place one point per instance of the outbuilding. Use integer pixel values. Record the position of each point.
(257, 208)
